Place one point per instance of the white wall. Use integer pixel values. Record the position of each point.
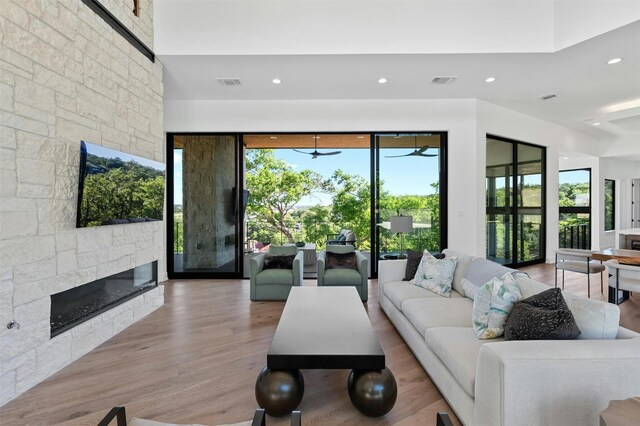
(263, 27)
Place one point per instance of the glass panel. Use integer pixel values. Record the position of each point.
(575, 188)
(408, 185)
(306, 189)
(499, 199)
(575, 211)
(204, 203)
(609, 204)
(529, 196)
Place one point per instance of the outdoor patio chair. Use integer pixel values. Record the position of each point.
(344, 237)
(344, 276)
(275, 283)
(577, 260)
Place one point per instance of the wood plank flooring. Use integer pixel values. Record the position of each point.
(195, 360)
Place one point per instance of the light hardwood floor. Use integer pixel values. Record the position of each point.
(195, 360)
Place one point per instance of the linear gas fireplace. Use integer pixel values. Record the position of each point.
(77, 305)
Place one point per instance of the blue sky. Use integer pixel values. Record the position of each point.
(101, 151)
(402, 176)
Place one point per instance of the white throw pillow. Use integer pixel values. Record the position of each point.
(492, 305)
(434, 274)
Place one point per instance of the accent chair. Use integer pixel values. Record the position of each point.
(357, 277)
(578, 260)
(275, 284)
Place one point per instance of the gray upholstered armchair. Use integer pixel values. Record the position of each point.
(345, 277)
(275, 284)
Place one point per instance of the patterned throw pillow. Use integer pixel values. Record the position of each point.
(435, 275)
(340, 260)
(543, 316)
(413, 261)
(492, 305)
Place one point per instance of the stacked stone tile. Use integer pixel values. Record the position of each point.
(66, 76)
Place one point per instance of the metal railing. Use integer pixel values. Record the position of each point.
(575, 236)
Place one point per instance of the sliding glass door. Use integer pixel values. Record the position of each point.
(515, 193)
(410, 193)
(203, 205)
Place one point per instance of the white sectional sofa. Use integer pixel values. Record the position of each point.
(495, 382)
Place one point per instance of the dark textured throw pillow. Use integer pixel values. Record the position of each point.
(278, 261)
(413, 261)
(340, 260)
(543, 316)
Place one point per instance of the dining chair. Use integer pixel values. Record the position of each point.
(623, 277)
(580, 261)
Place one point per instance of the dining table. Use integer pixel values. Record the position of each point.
(627, 257)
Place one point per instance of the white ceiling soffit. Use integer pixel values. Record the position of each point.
(289, 27)
(588, 89)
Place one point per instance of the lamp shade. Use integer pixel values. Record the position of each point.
(401, 224)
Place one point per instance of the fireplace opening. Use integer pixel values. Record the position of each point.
(77, 305)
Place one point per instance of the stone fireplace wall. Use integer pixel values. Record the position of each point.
(67, 76)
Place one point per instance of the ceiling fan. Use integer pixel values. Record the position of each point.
(315, 153)
(416, 152)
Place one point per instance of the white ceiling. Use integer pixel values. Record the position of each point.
(588, 89)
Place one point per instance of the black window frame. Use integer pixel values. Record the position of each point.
(580, 209)
(613, 205)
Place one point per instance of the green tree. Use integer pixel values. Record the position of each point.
(350, 205)
(276, 188)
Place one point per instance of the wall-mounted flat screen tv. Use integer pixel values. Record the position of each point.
(117, 188)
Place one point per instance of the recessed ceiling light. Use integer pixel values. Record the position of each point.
(596, 124)
(490, 79)
(276, 81)
(360, 137)
(274, 137)
(382, 80)
(614, 61)
(565, 158)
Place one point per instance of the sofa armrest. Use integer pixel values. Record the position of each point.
(362, 267)
(553, 382)
(298, 268)
(320, 264)
(390, 271)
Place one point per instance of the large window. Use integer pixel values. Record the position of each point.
(609, 205)
(575, 209)
(515, 177)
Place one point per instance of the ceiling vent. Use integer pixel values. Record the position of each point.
(548, 97)
(444, 80)
(229, 81)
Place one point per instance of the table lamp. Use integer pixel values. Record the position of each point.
(401, 225)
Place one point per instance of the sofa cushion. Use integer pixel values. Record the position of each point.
(492, 304)
(275, 276)
(461, 268)
(544, 316)
(595, 319)
(437, 312)
(480, 271)
(289, 249)
(400, 291)
(342, 277)
(457, 348)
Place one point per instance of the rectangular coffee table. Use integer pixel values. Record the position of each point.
(325, 327)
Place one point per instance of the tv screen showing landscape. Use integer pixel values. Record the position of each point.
(117, 188)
